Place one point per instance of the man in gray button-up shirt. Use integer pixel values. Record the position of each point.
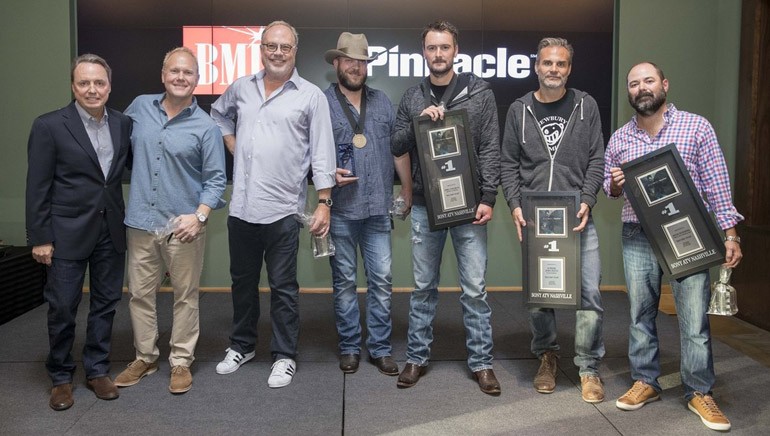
(277, 126)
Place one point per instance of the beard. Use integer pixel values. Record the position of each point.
(551, 82)
(440, 71)
(647, 103)
(348, 82)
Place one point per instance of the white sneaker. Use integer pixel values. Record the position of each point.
(282, 372)
(232, 361)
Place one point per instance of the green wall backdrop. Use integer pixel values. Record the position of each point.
(695, 42)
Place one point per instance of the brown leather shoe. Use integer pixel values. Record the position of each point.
(104, 388)
(410, 375)
(349, 363)
(385, 365)
(545, 380)
(61, 397)
(487, 381)
(592, 388)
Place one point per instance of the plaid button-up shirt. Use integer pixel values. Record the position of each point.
(696, 142)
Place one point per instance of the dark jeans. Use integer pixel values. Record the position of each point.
(64, 290)
(277, 243)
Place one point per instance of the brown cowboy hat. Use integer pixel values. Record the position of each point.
(350, 45)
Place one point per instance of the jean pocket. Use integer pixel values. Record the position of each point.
(630, 230)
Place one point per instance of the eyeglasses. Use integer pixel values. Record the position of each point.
(272, 47)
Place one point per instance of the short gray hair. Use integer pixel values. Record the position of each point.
(283, 23)
(554, 42)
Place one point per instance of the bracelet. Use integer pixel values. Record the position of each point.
(736, 239)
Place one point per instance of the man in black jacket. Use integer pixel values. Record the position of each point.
(74, 214)
(446, 90)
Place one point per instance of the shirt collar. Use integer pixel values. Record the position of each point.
(88, 118)
(158, 99)
(668, 115)
(294, 79)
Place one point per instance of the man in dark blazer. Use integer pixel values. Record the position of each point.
(74, 211)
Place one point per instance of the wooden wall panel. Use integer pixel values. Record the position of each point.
(752, 170)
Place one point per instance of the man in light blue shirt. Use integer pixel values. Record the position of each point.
(178, 177)
(362, 119)
(277, 126)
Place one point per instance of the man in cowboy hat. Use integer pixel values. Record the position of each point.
(362, 119)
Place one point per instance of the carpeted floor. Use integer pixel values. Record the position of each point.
(323, 401)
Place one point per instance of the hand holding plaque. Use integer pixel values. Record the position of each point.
(448, 165)
(682, 234)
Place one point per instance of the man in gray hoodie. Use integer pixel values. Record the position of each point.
(444, 90)
(553, 142)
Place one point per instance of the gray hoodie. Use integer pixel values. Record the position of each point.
(578, 164)
(478, 99)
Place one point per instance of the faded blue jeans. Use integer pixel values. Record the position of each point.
(691, 296)
(372, 236)
(589, 344)
(470, 245)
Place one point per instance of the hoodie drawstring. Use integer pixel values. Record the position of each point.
(581, 108)
(523, 121)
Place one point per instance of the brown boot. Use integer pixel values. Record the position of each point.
(61, 397)
(545, 380)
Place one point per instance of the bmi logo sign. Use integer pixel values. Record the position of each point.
(224, 53)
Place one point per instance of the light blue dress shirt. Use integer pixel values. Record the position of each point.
(278, 139)
(178, 164)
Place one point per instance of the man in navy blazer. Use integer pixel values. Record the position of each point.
(75, 211)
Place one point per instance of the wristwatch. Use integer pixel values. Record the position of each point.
(326, 201)
(736, 239)
(202, 218)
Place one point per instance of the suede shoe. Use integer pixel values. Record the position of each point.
(706, 408)
(104, 388)
(592, 388)
(181, 380)
(61, 397)
(134, 372)
(545, 380)
(640, 394)
(385, 365)
(349, 363)
(410, 375)
(487, 381)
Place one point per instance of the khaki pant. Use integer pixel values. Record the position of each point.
(149, 257)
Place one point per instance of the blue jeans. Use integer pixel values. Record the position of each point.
(470, 244)
(589, 345)
(277, 244)
(372, 235)
(691, 296)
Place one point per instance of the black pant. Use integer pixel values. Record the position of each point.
(64, 290)
(277, 243)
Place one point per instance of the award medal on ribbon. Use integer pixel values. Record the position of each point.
(359, 140)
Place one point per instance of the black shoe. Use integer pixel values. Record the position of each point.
(349, 363)
(385, 364)
(410, 375)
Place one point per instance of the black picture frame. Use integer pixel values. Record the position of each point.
(670, 209)
(551, 273)
(448, 165)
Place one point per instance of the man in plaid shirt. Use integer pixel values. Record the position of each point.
(655, 125)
